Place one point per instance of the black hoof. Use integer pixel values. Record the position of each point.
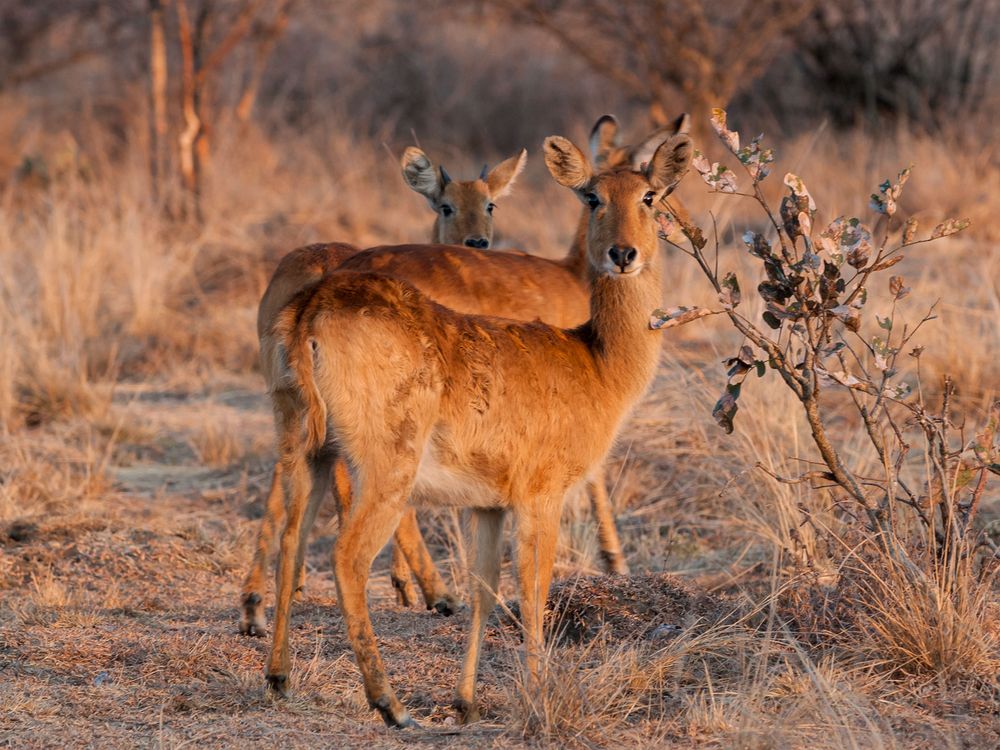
(447, 606)
(404, 721)
(278, 684)
(252, 618)
(252, 629)
(404, 592)
(467, 712)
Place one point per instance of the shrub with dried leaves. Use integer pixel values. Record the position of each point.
(815, 287)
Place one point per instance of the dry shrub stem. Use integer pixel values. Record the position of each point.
(814, 307)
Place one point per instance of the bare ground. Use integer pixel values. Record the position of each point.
(118, 628)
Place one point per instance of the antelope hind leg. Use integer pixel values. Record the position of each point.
(410, 542)
(399, 575)
(306, 482)
(252, 620)
(377, 510)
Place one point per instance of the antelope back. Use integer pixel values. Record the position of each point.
(504, 284)
(298, 270)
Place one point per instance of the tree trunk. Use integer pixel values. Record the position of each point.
(201, 90)
(158, 96)
(265, 45)
(190, 168)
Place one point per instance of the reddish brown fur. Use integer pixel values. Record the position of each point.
(430, 404)
(507, 284)
(298, 270)
(511, 285)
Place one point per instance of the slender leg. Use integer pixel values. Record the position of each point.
(252, 621)
(537, 527)
(607, 534)
(379, 505)
(410, 542)
(399, 574)
(487, 540)
(435, 592)
(342, 488)
(306, 483)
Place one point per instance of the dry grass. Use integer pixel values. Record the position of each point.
(943, 627)
(734, 685)
(134, 444)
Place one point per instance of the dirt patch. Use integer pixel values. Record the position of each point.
(622, 608)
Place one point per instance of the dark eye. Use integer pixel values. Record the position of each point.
(648, 198)
(592, 200)
(446, 210)
(490, 207)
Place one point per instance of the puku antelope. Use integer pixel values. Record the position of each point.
(429, 404)
(509, 285)
(464, 216)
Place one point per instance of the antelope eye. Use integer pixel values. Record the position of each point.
(648, 198)
(446, 210)
(490, 207)
(592, 200)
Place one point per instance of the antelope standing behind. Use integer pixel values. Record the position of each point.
(464, 216)
(430, 404)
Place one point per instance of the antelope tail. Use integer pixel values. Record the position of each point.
(301, 348)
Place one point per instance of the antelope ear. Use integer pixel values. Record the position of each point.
(501, 178)
(682, 124)
(420, 174)
(603, 139)
(669, 163)
(644, 150)
(566, 163)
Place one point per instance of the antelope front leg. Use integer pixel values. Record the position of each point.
(306, 482)
(363, 532)
(410, 542)
(537, 528)
(607, 534)
(252, 620)
(487, 540)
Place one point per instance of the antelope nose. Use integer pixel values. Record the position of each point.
(622, 257)
(478, 242)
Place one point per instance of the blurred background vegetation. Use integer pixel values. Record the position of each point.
(486, 76)
(158, 156)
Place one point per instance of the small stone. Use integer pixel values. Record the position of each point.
(664, 631)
